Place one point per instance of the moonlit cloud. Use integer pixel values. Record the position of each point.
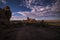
(14, 17)
(56, 6)
(40, 10)
(18, 18)
(3, 1)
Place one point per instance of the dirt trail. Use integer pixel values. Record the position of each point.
(35, 33)
(30, 33)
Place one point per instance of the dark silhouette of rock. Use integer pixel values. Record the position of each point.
(7, 12)
(5, 15)
(2, 15)
(0, 12)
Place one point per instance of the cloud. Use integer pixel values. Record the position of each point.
(39, 11)
(56, 6)
(3, 1)
(14, 17)
(18, 18)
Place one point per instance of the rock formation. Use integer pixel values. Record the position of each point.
(5, 14)
(2, 15)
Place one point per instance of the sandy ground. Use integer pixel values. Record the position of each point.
(30, 33)
(36, 33)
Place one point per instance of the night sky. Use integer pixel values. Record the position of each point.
(35, 9)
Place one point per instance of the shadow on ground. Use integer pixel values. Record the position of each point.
(17, 32)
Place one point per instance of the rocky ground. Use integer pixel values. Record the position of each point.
(30, 33)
